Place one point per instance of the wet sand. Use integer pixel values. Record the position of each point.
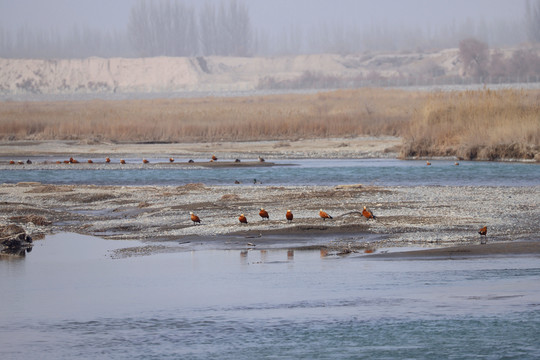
(354, 147)
(465, 251)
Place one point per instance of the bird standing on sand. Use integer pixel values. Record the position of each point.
(242, 219)
(261, 159)
(171, 160)
(483, 231)
(289, 215)
(324, 215)
(90, 161)
(264, 214)
(214, 157)
(367, 213)
(122, 161)
(145, 161)
(194, 218)
(107, 160)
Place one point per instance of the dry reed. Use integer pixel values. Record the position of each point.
(482, 124)
(275, 117)
(470, 124)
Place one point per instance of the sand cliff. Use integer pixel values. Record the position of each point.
(204, 74)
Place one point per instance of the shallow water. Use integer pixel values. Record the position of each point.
(69, 299)
(385, 172)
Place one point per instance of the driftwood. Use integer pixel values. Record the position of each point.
(14, 240)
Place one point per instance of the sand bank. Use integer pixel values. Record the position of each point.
(430, 217)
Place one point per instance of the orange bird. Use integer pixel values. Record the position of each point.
(242, 219)
(483, 231)
(194, 218)
(324, 215)
(11, 162)
(171, 160)
(107, 160)
(90, 161)
(264, 214)
(289, 215)
(428, 163)
(214, 157)
(368, 214)
(122, 161)
(145, 161)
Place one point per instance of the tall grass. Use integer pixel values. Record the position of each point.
(330, 114)
(481, 124)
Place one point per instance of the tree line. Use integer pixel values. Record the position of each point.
(172, 28)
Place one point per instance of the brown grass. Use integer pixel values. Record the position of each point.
(470, 124)
(476, 125)
(331, 114)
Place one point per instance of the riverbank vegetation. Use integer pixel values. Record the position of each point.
(485, 124)
(482, 124)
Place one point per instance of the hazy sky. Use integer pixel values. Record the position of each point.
(268, 14)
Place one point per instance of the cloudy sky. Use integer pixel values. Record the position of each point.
(268, 14)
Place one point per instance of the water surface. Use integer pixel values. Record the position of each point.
(69, 299)
(384, 172)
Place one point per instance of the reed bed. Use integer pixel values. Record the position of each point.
(484, 124)
(276, 117)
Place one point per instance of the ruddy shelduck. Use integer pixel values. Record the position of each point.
(367, 213)
(214, 157)
(324, 215)
(145, 161)
(483, 231)
(264, 214)
(242, 219)
(171, 160)
(194, 218)
(122, 161)
(107, 160)
(289, 215)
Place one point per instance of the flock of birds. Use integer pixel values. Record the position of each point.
(367, 213)
(262, 213)
(288, 215)
(122, 161)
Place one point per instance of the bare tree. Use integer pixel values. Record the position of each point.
(532, 20)
(475, 57)
(226, 30)
(163, 27)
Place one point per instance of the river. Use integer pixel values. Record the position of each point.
(381, 172)
(69, 298)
